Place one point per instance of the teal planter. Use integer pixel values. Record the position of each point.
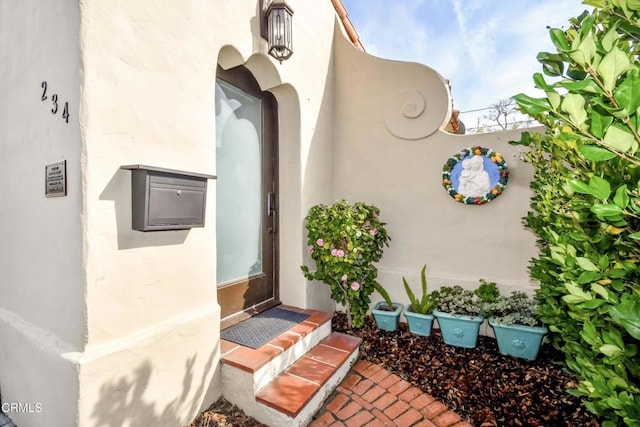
(387, 320)
(519, 340)
(458, 329)
(419, 324)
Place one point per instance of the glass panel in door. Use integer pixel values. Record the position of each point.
(245, 197)
(239, 184)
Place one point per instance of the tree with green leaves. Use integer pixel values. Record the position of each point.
(586, 203)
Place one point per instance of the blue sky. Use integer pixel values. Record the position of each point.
(486, 48)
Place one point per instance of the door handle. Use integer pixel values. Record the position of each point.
(272, 211)
(271, 204)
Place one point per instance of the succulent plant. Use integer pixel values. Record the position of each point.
(488, 291)
(427, 302)
(457, 300)
(518, 308)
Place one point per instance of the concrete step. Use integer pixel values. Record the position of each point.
(295, 395)
(284, 382)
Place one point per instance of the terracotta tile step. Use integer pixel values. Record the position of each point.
(251, 360)
(296, 386)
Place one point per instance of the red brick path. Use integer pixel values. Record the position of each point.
(371, 396)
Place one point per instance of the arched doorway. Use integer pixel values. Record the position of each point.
(247, 196)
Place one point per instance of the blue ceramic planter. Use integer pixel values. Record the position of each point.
(419, 324)
(387, 320)
(458, 329)
(519, 340)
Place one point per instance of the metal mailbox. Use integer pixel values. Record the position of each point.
(166, 199)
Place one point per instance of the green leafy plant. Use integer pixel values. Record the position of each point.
(487, 291)
(427, 301)
(518, 308)
(388, 304)
(345, 241)
(586, 203)
(457, 300)
(470, 302)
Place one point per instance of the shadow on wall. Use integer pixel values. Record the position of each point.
(123, 401)
(119, 191)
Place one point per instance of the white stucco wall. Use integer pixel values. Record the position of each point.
(151, 297)
(42, 309)
(389, 152)
(99, 323)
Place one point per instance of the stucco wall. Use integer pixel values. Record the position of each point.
(42, 310)
(153, 318)
(389, 152)
(122, 327)
(149, 99)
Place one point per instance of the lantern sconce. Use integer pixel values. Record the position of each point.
(275, 27)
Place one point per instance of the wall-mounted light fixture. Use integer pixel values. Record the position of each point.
(276, 28)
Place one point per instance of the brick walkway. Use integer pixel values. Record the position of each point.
(371, 396)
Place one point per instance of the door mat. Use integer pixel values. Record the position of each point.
(259, 330)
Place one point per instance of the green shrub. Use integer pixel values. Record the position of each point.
(586, 203)
(345, 240)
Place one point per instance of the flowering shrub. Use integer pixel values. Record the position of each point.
(345, 240)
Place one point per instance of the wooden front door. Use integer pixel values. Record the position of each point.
(246, 196)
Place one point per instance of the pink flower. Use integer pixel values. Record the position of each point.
(320, 242)
(373, 231)
(337, 252)
(344, 277)
(355, 286)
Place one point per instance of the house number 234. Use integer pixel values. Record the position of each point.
(55, 103)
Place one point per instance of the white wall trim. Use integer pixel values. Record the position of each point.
(42, 339)
(50, 343)
(142, 336)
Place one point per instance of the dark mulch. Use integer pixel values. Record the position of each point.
(479, 384)
(224, 414)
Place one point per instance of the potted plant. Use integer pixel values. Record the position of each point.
(386, 313)
(460, 312)
(419, 311)
(345, 240)
(515, 323)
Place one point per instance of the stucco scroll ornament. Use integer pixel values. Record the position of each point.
(408, 115)
(475, 175)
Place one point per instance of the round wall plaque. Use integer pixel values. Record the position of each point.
(475, 175)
